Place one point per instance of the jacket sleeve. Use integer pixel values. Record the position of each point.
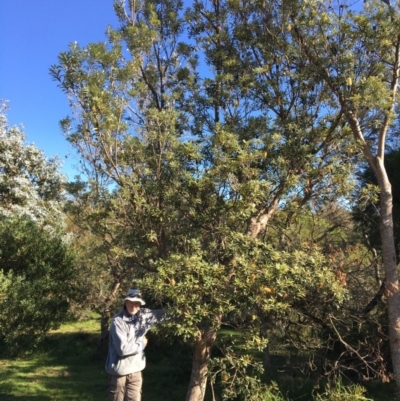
(151, 317)
(119, 337)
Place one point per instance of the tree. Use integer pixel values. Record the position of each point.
(350, 341)
(30, 183)
(346, 61)
(367, 211)
(187, 186)
(192, 147)
(37, 269)
(356, 56)
(36, 282)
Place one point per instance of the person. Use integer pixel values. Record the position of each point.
(126, 359)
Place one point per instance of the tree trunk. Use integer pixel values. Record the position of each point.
(198, 378)
(390, 264)
(267, 359)
(105, 318)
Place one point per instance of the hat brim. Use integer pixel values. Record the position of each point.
(134, 299)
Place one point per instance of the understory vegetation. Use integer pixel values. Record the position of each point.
(68, 366)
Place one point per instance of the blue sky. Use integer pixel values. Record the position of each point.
(32, 34)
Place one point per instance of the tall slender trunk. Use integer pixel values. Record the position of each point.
(390, 264)
(198, 378)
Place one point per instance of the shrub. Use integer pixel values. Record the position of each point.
(36, 283)
(340, 392)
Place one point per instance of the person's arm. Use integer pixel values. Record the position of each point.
(158, 315)
(122, 346)
(151, 317)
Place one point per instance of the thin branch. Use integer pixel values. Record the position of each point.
(393, 89)
(349, 347)
(374, 301)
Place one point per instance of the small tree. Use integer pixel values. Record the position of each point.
(36, 267)
(37, 279)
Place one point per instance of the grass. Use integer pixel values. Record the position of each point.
(68, 367)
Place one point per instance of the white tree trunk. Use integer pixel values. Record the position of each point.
(390, 264)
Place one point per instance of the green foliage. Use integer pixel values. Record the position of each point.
(258, 281)
(340, 392)
(36, 267)
(249, 388)
(36, 281)
(366, 211)
(30, 184)
(201, 152)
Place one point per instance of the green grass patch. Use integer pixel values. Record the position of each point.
(68, 367)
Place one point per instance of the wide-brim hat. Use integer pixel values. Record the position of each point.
(134, 295)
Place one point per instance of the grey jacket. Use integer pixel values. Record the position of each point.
(125, 352)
